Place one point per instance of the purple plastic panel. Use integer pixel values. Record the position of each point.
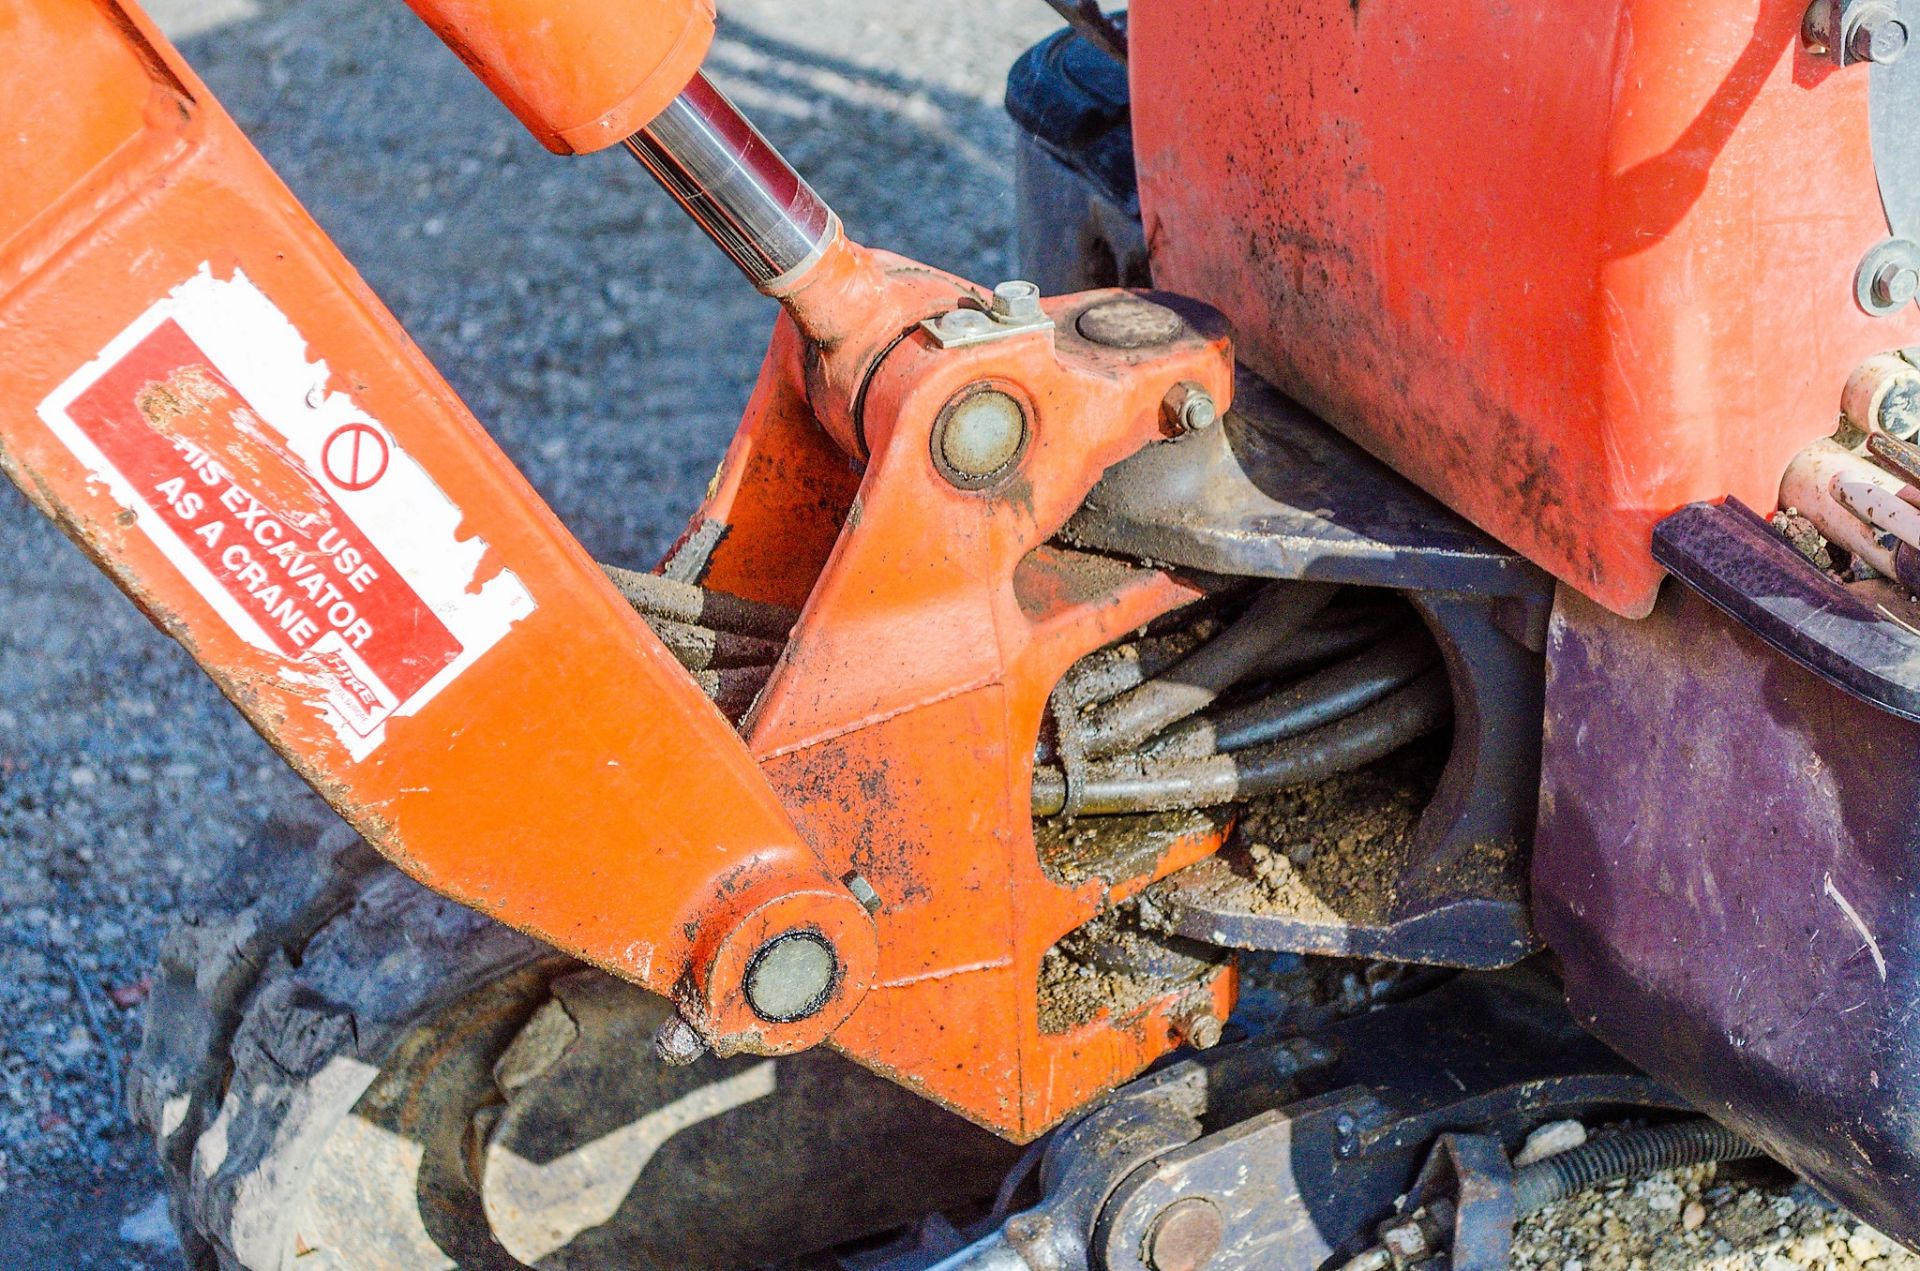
(1726, 865)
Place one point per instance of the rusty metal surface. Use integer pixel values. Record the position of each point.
(185, 348)
(1277, 493)
(1309, 1141)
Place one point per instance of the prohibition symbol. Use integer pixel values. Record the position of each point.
(354, 456)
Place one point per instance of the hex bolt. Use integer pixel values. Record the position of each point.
(1016, 301)
(863, 892)
(1188, 407)
(1876, 35)
(1201, 1028)
(964, 322)
(1346, 1134)
(978, 436)
(1888, 277)
(1895, 283)
(677, 1043)
(791, 976)
(1185, 1235)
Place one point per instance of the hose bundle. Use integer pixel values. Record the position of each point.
(729, 643)
(1178, 722)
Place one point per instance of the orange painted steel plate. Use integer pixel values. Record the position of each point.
(1567, 266)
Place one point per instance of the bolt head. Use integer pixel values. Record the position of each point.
(978, 437)
(791, 976)
(1895, 284)
(1888, 277)
(965, 322)
(863, 892)
(1185, 1235)
(1874, 33)
(677, 1043)
(1016, 301)
(1878, 36)
(1406, 1241)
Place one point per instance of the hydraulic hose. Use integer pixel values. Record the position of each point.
(657, 597)
(1318, 699)
(1334, 634)
(1328, 695)
(1110, 672)
(1133, 785)
(1275, 614)
(1662, 1147)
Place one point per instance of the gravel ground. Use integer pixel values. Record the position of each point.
(610, 351)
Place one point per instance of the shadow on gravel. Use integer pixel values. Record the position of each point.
(76, 1227)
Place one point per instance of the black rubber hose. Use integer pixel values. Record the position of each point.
(701, 606)
(704, 649)
(1129, 719)
(1132, 785)
(1329, 694)
(1663, 1147)
(1335, 634)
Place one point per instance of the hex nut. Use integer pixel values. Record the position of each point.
(1185, 1235)
(676, 1043)
(980, 434)
(791, 976)
(1188, 407)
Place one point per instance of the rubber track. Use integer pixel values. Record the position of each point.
(237, 1077)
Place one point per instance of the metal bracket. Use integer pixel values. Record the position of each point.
(1016, 311)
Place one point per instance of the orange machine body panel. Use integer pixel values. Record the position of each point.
(581, 75)
(1567, 266)
(212, 404)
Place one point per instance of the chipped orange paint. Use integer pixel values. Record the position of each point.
(900, 726)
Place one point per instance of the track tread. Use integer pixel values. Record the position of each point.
(267, 1025)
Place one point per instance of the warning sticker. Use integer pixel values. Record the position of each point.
(298, 517)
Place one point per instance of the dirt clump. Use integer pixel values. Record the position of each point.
(1335, 849)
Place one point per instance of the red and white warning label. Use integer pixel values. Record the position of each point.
(298, 517)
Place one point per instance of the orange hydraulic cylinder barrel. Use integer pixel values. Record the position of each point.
(582, 75)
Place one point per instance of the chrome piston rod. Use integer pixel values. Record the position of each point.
(735, 185)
